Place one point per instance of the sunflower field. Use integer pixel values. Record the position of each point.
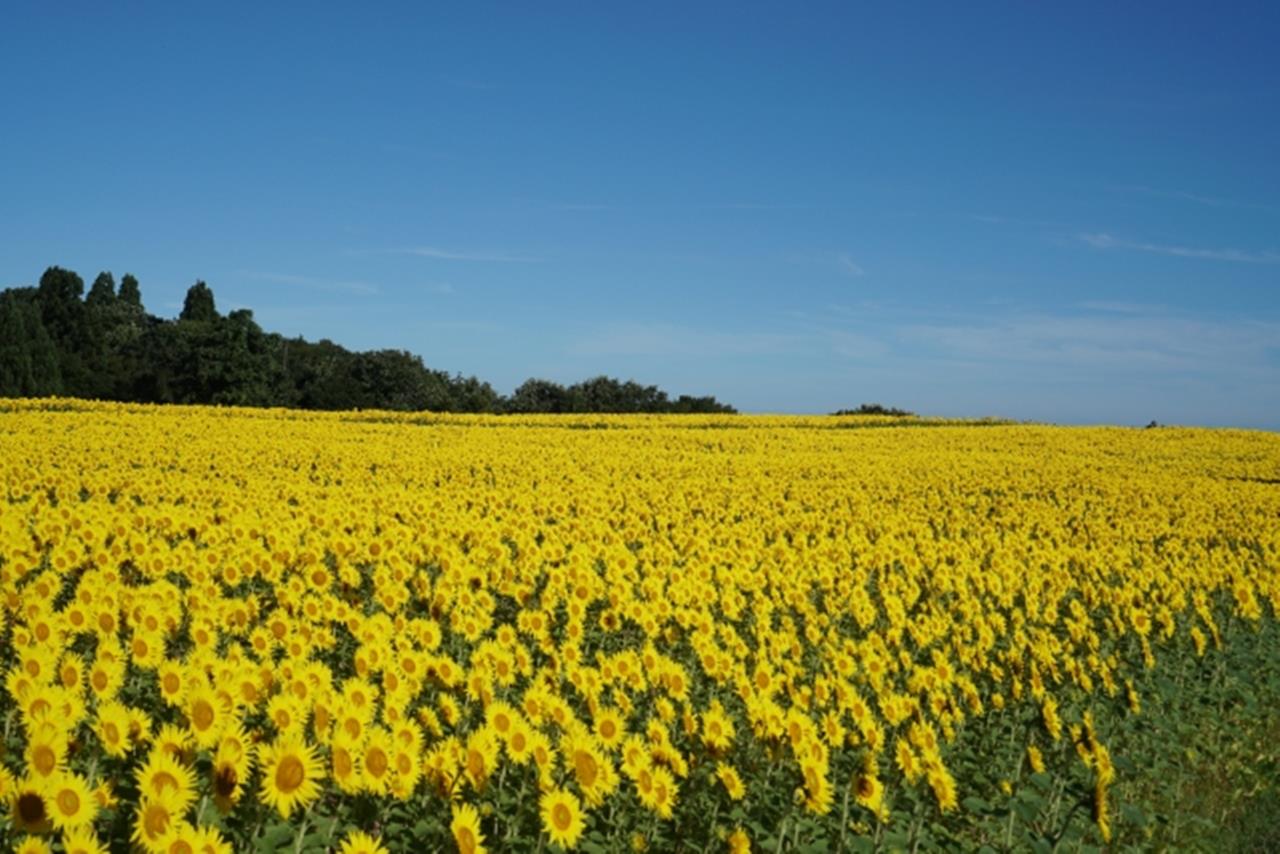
(266, 630)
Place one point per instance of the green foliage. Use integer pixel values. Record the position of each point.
(28, 359)
(55, 341)
(876, 409)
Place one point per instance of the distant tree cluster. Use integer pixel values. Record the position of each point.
(56, 340)
(875, 409)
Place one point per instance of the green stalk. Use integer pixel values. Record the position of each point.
(844, 816)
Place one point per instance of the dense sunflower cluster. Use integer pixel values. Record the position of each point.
(513, 630)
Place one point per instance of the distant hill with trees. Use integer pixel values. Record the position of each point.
(876, 409)
(57, 340)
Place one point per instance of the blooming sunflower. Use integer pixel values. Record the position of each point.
(359, 842)
(154, 818)
(376, 760)
(29, 809)
(733, 785)
(562, 817)
(466, 830)
(81, 840)
(70, 801)
(162, 770)
(291, 774)
(113, 728)
(33, 845)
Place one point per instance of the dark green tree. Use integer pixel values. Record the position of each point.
(130, 293)
(54, 340)
(28, 358)
(198, 306)
(537, 395)
(102, 293)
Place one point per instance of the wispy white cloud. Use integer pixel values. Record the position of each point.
(1106, 241)
(1211, 201)
(1103, 344)
(1120, 307)
(849, 266)
(670, 340)
(329, 285)
(462, 255)
(755, 206)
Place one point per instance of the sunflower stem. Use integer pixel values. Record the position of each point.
(302, 832)
(844, 816)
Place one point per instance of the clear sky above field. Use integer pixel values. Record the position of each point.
(1066, 213)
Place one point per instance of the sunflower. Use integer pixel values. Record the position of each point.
(172, 685)
(180, 838)
(46, 750)
(375, 760)
(591, 767)
(70, 801)
(501, 717)
(163, 771)
(207, 714)
(562, 817)
(1035, 759)
(359, 842)
(113, 728)
(609, 728)
(174, 740)
(732, 781)
(344, 763)
(868, 791)
(28, 807)
(154, 817)
(33, 845)
(717, 728)
(291, 774)
(656, 788)
(943, 785)
(907, 761)
(81, 840)
(481, 757)
(466, 830)
(818, 794)
(228, 782)
(518, 743)
(408, 770)
(208, 840)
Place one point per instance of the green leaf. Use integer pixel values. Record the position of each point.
(861, 845)
(274, 836)
(1134, 815)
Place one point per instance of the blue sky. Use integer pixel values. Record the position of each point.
(1067, 214)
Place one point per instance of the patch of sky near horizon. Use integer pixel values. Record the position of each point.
(1058, 214)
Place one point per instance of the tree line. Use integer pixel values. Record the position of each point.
(56, 340)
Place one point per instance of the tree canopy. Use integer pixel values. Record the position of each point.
(55, 340)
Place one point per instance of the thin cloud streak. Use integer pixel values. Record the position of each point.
(1111, 343)
(328, 285)
(660, 340)
(1106, 241)
(1210, 201)
(456, 255)
(849, 266)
